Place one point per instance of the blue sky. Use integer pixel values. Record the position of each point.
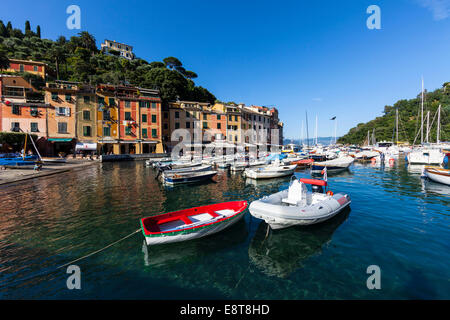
(317, 56)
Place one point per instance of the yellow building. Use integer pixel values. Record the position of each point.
(107, 120)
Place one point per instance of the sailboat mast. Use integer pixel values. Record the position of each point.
(396, 126)
(421, 118)
(428, 126)
(316, 130)
(438, 125)
(335, 129)
(307, 130)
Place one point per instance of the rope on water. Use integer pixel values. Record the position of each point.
(68, 263)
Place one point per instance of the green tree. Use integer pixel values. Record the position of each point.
(172, 62)
(3, 31)
(38, 31)
(4, 61)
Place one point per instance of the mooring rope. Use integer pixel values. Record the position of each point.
(69, 263)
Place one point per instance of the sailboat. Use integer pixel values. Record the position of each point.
(427, 153)
(22, 161)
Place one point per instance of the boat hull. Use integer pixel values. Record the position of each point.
(279, 216)
(438, 175)
(269, 174)
(182, 178)
(196, 231)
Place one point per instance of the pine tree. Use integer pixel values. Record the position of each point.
(8, 29)
(3, 31)
(27, 26)
(38, 31)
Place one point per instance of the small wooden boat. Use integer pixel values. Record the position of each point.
(54, 160)
(437, 174)
(303, 162)
(270, 171)
(191, 223)
(335, 165)
(187, 177)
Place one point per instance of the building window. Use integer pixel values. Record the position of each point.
(87, 131)
(177, 115)
(86, 99)
(112, 102)
(35, 68)
(188, 125)
(153, 105)
(218, 117)
(144, 118)
(21, 68)
(128, 130)
(62, 127)
(166, 126)
(86, 115)
(154, 133)
(188, 114)
(205, 125)
(127, 104)
(219, 126)
(127, 115)
(153, 118)
(15, 126)
(205, 116)
(106, 115)
(63, 111)
(16, 109)
(235, 118)
(34, 127)
(54, 96)
(230, 118)
(144, 133)
(106, 131)
(166, 115)
(177, 125)
(68, 97)
(101, 101)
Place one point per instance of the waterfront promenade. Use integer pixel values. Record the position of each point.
(9, 176)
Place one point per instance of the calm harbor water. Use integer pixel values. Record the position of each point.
(396, 221)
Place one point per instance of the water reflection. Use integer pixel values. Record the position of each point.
(280, 253)
(165, 255)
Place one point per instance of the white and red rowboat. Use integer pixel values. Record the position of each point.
(191, 223)
(437, 174)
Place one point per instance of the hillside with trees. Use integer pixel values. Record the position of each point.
(79, 59)
(409, 120)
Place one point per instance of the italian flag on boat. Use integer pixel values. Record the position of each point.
(191, 223)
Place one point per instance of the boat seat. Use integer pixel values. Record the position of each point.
(296, 194)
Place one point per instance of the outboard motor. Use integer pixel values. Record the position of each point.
(317, 189)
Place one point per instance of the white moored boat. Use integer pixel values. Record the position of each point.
(297, 206)
(437, 174)
(271, 171)
(335, 165)
(426, 156)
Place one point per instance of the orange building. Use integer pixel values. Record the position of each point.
(34, 67)
(22, 107)
(61, 96)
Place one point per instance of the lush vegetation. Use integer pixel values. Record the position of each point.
(13, 141)
(409, 123)
(79, 59)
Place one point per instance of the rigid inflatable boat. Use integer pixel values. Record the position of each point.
(298, 206)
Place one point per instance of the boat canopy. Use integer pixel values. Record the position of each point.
(315, 182)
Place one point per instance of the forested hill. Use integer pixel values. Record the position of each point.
(79, 59)
(409, 116)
